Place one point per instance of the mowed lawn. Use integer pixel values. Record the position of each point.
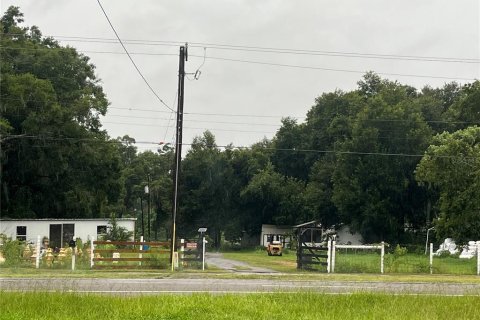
(39, 305)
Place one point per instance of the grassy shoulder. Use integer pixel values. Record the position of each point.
(216, 274)
(43, 305)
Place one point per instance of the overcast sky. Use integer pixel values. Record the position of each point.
(242, 102)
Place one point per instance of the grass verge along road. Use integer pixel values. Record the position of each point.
(52, 306)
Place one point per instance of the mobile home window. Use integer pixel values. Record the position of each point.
(61, 234)
(22, 233)
(101, 231)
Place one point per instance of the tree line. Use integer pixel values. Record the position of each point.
(387, 159)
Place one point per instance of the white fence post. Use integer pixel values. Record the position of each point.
(478, 258)
(203, 253)
(334, 243)
(141, 249)
(431, 258)
(37, 258)
(382, 257)
(74, 253)
(329, 254)
(91, 252)
(182, 251)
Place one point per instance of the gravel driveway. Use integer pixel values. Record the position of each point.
(217, 260)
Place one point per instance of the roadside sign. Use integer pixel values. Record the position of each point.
(191, 245)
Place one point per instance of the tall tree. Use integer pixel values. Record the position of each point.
(452, 164)
(56, 161)
(206, 189)
(374, 188)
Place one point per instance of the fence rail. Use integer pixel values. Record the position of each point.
(129, 254)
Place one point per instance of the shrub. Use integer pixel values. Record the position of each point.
(400, 251)
(12, 251)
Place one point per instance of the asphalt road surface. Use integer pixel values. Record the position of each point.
(216, 286)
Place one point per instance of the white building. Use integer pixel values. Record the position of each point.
(60, 231)
(271, 229)
(346, 236)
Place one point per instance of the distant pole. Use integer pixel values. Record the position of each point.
(143, 223)
(382, 254)
(178, 143)
(203, 253)
(431, 258)
(149, 206)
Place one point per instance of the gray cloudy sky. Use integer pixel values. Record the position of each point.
(249, 99)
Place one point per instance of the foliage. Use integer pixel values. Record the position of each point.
(12, 251)
(51, 103)
(452, 164)
(116, 232)
(400, 251)
(207, 189)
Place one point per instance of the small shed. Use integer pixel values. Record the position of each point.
(346, 236)
(60, 231)
(270, 229)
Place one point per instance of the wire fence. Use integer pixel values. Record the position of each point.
(408, 258)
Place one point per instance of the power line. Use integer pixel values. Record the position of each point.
(279, 124)
(191, 128)
(295, 150)
(210, 114)
(292, 66)
(333, 69)
(284, 65)
(232, 47)
(328, 136)
(202, 121)
(131, 59)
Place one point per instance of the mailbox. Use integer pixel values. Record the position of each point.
(72, 243)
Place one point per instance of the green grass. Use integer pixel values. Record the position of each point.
(260, 258)
(362, 262)
(252, 306)
(453, 265)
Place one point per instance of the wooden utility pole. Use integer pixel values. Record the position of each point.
(178, 143)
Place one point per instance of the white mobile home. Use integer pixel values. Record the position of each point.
(60, 231)
(270, 229)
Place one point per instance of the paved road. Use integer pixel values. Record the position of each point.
(179, 286)
(217, 260)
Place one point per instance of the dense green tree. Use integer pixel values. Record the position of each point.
(452, 164)
(56, 161)
(318, 193)
(287, 158)
(465, 110)
(153, 170)
(273, 198)
(374, 187)
(206, 189)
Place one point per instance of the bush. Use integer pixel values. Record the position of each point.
(399, 251)
(12, 251)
